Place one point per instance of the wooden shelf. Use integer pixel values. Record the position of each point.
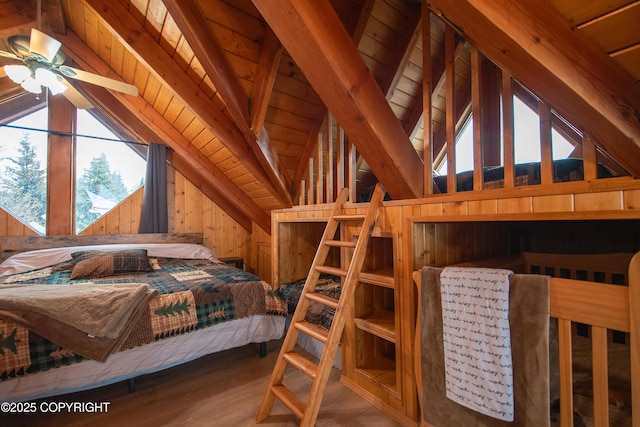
(379, 277)
(381, 324)
(382, 371)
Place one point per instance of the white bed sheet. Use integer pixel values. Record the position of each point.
(143, 360)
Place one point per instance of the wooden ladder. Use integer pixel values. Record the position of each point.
(307, 411)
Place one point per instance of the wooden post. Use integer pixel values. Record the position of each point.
(340, 159)
(320, 175)
(476, 107)
(329, 170)
(546, 152)
(507, 124)
(449, 42)
(60, 168)
(427, 90)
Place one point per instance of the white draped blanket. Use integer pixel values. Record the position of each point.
(477, 341)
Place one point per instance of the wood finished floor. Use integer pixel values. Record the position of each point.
(223, 389)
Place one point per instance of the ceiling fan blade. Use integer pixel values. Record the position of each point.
(9, 55)
(43, 45)
(75, 97)
(99, 80)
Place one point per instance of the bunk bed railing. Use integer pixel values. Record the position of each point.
(604, 308)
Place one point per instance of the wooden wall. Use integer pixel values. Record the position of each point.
(190, 212)
(9, 226)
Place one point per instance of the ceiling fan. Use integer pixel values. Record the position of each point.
(42, 66)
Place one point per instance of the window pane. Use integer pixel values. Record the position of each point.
(526, 133)
(23, 162)
(107, 171)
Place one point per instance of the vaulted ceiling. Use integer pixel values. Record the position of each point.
(239, 89)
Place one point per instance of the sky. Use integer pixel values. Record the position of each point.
(526, 140)
(120, 157)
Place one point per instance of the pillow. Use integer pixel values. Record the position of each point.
(89, 264)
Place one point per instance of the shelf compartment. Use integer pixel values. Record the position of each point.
(376, 360)
(381, 324)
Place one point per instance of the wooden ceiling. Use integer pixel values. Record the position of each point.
(240, 88)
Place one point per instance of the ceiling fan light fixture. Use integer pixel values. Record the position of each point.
(17, 73)
(30, 84)
(48, 79)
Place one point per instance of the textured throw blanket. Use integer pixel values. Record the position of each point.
(477, 340)
(91, 320)
(528, 321)
(191, 294)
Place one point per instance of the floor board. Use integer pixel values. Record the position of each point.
(223, 389)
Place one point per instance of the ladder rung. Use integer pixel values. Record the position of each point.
(331, 270)
(290, 400)
(322, 299)
(354, 217)
(313, 331)
(340, 243)
(303, 364)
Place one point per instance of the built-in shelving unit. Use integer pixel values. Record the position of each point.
(372, 349)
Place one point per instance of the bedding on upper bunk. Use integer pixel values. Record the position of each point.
(180, 295)
(564, 170)
(317, 313)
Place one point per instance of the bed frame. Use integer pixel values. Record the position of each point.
(579, 297)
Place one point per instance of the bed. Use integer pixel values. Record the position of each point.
(317, 313)
(594, 299)
(153, 306)
(564, 170)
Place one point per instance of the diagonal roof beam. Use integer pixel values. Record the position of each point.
(316, 39)
(404, 47)
(152, 124)
(537, 46)
(265, 78)
(144, 47)
(191, 21)
(355, 27)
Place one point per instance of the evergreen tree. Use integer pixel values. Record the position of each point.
(24, 187)
(97, 191)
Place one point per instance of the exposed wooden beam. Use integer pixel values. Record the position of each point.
(148, 52)
(535, 44)
(264, 79)
(17, 17)
(60, 167)
(144, 120)
(18, 105)
(403, 50)
(314, 36)
(355, 27)
(191, 20)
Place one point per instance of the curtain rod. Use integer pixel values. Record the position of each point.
(60, 133)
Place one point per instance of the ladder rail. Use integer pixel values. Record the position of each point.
(307, 413)
(341, 313)
(301, 309)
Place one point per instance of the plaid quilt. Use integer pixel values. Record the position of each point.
(192, 294)
(317, 313)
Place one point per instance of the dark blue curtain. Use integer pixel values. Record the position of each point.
(154, 215)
